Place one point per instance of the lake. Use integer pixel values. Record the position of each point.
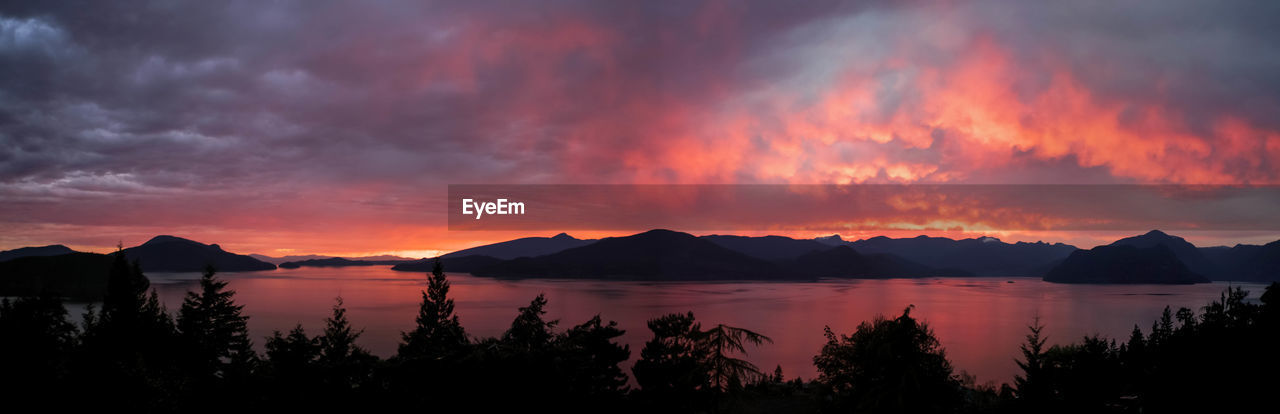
(980, 321)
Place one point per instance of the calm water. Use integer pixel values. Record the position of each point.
(980, 321)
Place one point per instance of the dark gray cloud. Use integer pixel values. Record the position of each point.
(247, 100)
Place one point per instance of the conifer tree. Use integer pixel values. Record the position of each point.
(213, 326)
(346, 365)
(438, 332)
(529, 331)
(1032, 384)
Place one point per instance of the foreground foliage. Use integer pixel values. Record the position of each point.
(131, 353)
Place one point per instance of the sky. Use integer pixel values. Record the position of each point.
(293, 127)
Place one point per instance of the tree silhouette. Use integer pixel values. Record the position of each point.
(528, 331)
(38, 342)
(131, 312)
(327, 372)
(577, 368)
(1162, 330)
(347, 365)
(684, 367)
(888, 365)
(213, 326)
(589, 360)
(1085, 377)
(1032, 386)
(671, 364)
(291, 372)
(438, 333)
(130, 348)
(726, 372)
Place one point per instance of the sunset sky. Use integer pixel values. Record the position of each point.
(335, 127)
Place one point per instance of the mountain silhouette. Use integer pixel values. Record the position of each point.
(1246, 262)
(1124, 264)
(176, 254)
(1186, 252)
(458, 264)
(75, 275)
(523, 247)
(670, 255)
(338, 262)
(50, 250)
(844, 261)
(299, 258)
(983, 256)
(291, 258)
(767, 247)
(832, 240)
(652, 255)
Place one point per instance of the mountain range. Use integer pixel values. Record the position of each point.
(50, 250)
(524, 247)
(75, 275)
(789, 258)
(1124, 263)
(302, 258)
(1153, 257)
(60, 270)
(983, 256)
(176, 254)
(340, 262)
(671, 255)
(1242, 262)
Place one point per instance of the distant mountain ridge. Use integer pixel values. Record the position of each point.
(767, 247)
(843, 261)
(175, 254)
(1186, 252)
(300, 258)
(83, 275)
(983, 256)
(1245, 262)
(74, 275)
(50, 250)
(670, 255)
(652, 255)
(339, 262)
(473, 258)
(1124, 264)
(524, 247)
(1242, 262)
(458, 264)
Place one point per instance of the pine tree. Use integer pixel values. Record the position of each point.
(292, 357)
(529, 331)
(38, 340)
(214, 327)
(291, 371)
(438, 333)
(126, 307)
(1161, 330)
(1136, 345)
(131, 344)
(1032, 386)
(671, 369)
(347, 365)
(589, 359)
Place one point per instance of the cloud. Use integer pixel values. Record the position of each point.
(234, 115)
